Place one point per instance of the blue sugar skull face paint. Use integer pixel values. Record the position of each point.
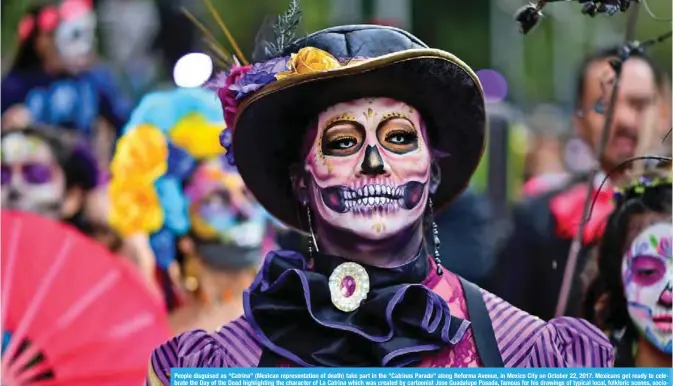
(221, 208)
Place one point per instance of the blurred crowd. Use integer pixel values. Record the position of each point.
(77, 149)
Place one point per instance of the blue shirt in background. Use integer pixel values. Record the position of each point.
(73, 101)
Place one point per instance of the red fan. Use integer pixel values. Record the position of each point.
(72, 313)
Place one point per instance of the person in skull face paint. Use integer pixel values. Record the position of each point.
(45, 172)
(56, 80)
(169, 186)
(355, 135)
(632, 296)
(229, 235)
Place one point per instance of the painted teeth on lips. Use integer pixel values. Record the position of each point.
(342, 199)
(374, 195)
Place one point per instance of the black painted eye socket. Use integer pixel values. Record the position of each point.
(342, 143)
(398, 135)
(343, 139)
(401, 138)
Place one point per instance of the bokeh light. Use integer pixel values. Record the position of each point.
(192, 70)
(494, 84)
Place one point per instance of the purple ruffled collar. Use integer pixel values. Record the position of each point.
(289, 307)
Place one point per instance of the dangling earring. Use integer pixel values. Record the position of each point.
(435, 239)
(311, 237)
(191, 282)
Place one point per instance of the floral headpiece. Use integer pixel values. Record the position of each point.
(639, 186)
(168, 133)
(242, 81)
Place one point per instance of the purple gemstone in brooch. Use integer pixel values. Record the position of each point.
(349, 286)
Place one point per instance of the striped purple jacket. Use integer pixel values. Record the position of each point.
(523, 340)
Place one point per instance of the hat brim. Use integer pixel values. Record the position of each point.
(270, 125)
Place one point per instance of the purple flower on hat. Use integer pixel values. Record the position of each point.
(230, 156)
(218, 82)
(226, 95)
(225, 138)
(259, 76)
(241, 81)
(226, 142)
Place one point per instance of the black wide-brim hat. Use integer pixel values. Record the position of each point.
(270, 124)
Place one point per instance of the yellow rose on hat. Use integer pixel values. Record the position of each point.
(309, 60)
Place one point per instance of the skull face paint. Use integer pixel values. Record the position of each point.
(222, 209)
(369, 166)
(75, 38)
(32, 180)
(647, 274)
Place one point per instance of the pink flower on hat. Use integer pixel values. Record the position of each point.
(227, 95)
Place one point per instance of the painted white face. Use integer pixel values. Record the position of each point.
(369, 166)
(222, 208)
(647, 274)
(32, 180)
(75, 38)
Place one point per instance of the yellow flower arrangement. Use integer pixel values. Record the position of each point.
(197, 136)
(134, 208)
(141, 155)
(139, 160)
(309, 60)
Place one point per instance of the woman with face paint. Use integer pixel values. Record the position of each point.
(46, 172)
(56, 80)
(229, 235)
(171, 183)
(355, 135)
(632, 296)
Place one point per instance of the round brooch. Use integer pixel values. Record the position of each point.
(349, 286)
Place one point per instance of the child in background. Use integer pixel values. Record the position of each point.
(56, 80)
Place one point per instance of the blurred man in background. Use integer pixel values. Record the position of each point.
(530, 267)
